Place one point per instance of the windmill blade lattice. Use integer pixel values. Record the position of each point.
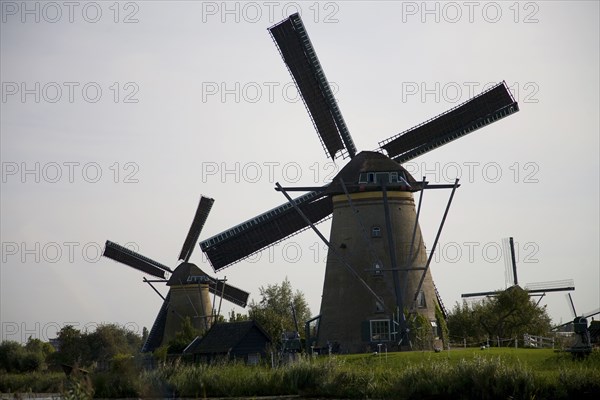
(509, 264)
(299, 55)
(550, 286)
(571, 304)
(198, 222)
(482, 110)
(247, 238)
(135, 260)
(228, 292)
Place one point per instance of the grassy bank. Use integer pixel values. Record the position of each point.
(458, 374)
(33, 382)
(463, 374)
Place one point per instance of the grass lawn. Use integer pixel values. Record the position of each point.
(537, 359)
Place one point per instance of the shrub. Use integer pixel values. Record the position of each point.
(16, 358)
(77, 387)
(122, 380)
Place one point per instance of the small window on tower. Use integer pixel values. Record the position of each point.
(375, 232)
(377, 268)
(421, 300)
(379, 307)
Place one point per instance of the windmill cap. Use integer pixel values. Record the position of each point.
(187, 274)
(365, 162)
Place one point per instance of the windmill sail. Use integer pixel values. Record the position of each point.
(247, 238)
(228, 292)
(570, 300)
(550, 286)
(190, 273)
(484, 109)
(509, 266)
(197, 224)
(299, 55)
(155, 337)
(574, 314)
(532, 288)
(135, 260)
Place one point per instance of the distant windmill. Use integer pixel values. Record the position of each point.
(582, 345)
(189, 286)
(377, 265)
(534, 289)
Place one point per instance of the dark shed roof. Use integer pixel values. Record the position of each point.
(223, 337)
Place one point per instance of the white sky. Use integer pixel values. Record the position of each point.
(212, 95)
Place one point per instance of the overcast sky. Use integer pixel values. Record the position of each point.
(116, 117)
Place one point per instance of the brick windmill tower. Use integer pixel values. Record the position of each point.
(377, 268)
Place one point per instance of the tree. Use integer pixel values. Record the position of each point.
(37, 346)
(463, 321)
(15, 357)
(11, 354)
(237, 317)
(145, 334)
(512, 313)
(108, 340)
(102, 345)
(184, 337)
(274, 311)
(36, 353)
(74, 349)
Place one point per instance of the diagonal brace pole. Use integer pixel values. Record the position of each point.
(328, 244)
(437, 237)
(393, 260)
(153, 288)
(414, 234)
(161, 296)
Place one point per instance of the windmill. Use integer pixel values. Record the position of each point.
(534, 289)
(189, 286)
(377, 264)
(583, 343)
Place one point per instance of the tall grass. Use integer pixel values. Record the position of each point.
(33, 382)
(458, 375)
(476, 378)
(480, 378)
